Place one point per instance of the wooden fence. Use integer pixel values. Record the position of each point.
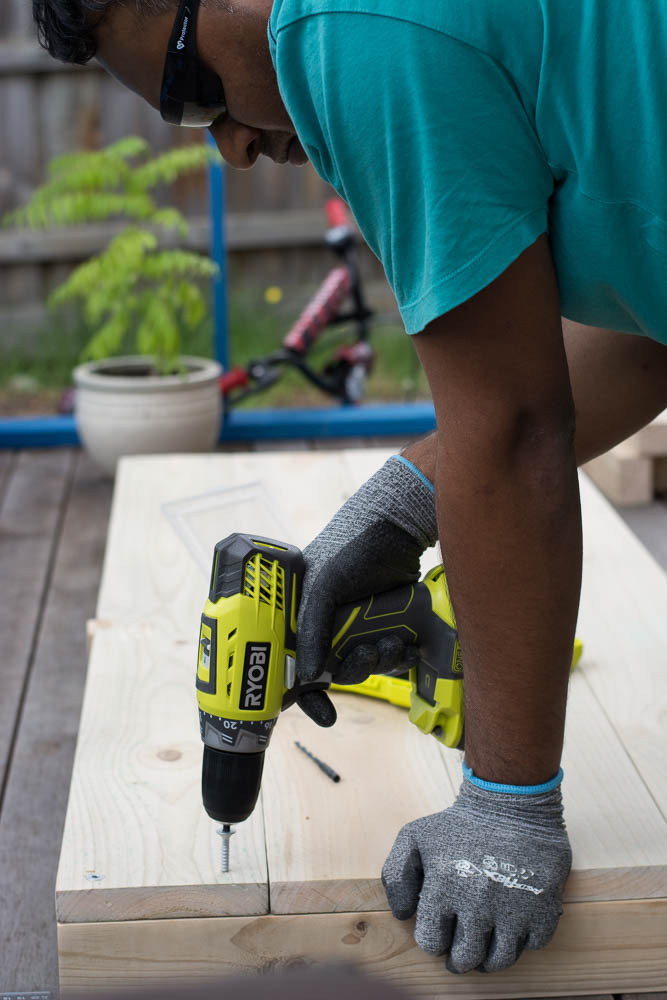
(47, 108)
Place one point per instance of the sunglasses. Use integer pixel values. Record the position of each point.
(191, 94)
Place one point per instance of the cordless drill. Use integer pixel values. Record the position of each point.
(246, 661)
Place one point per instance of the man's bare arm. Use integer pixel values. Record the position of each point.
(619, 384)
(508, 512)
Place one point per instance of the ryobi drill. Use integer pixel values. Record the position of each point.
(246, 667)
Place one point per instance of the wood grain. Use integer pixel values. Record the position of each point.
(618, 834)
(29, 523)
(652, 439)
(33, 809)
(326, 841)
(598, 948)
(7, 459)
(623, 621)
(256, 231)
(142, 827)
(149, 575)
(624, 476)
(618, 838)
(136, 836)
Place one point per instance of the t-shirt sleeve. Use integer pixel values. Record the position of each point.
(428, 141)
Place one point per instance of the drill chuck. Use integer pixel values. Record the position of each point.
(230, 783)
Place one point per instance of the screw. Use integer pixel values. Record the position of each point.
(94, 877)
(225, 832)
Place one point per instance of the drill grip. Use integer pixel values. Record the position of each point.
(406, 612)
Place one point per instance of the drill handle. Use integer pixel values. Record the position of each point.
(407, 612)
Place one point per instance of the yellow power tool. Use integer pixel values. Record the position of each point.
(246, 662)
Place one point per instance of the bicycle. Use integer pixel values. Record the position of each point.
(345, 375)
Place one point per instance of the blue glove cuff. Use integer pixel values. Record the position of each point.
(420, 475)
(491, 786)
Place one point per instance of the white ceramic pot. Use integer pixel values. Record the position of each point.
(123, 410)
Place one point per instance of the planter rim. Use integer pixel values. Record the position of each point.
(97, 375)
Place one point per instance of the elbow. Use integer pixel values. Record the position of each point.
(539, 433)
(540, 451)
(531, 445)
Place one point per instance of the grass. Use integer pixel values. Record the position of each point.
(33, 377)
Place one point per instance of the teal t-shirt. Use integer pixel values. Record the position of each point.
(458, 131)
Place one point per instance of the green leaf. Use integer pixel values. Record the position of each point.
(167, 167)
(108, 339)
(132, 287)
(170, 218)
(179, 263)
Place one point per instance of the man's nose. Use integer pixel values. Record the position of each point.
(239, 145)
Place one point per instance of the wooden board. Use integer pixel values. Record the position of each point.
(33, 807)
(596, 948)
(137, 842)
(652, 439)
(135, 816)
(30, 512)
(623, 617)
(635, 470)
(625, 477)
(149, 574)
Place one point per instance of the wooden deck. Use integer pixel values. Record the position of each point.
(54, 508)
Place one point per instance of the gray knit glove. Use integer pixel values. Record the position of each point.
(373, 543)
(485, 876)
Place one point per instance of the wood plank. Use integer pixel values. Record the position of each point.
(623, 622)
(257, 230)
(318, 863)
(17, 19)
(20, 146)
(618, 840)
(149, 574)
(326, 841)
(29, 525)
(147, 834)
(643, 996)
(624, 476)
(652, 439)
(158, 854)
(7, 461)
(620, 852)
(634, 471)
(598, 948)
(36, 796)
(137, 841)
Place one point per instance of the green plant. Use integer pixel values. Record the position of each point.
(134, 292)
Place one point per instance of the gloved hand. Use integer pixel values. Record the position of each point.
(485, 876)
(373, 543)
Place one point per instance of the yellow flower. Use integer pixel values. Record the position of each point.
(273, 295)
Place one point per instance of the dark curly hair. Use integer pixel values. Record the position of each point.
(66, 28)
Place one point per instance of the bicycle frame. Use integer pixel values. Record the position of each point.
(344, 376)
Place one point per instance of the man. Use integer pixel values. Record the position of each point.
(506, 161)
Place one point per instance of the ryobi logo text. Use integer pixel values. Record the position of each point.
(255, 672)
